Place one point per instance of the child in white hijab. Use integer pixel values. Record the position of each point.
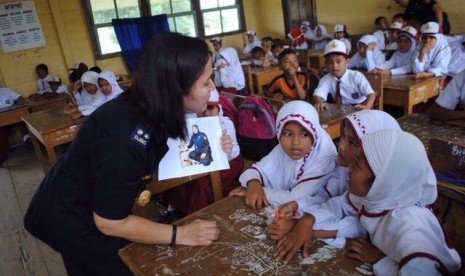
(94, 97)
(229, 71)
(298, 166)
(109, 85)
(252, 42)
(433, 53)
(321, 37)
(334, 193)
(368, 56)
(401, 61)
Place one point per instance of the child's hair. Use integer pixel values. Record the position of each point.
(378, 20)
(277, 43)
(267, 39)
(42, 67)
(95, 69)
(284, 53)
(257, 49)
(398, 15)
(75, 75)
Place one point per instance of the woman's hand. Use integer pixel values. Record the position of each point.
(226, 143)
(198, 232)
(255, 197)
(362, 250)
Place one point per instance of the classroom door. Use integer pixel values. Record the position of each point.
(296, 11)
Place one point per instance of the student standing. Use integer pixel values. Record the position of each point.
(344, 85)
(83, 206)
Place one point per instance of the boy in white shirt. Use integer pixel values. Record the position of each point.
(344, 85)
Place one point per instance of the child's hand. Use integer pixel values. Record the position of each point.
(239, 191)
(361, 106)
(428, 45)
(76, 86)
(371, 46)
(280, 227)
(255, 195)
(288, 209)
(321, 106)
(299, 235)
(226, 143)
(362, 250)
(421, 75)
(20, 101)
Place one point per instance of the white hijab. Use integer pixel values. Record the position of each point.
(111, 78)
(324, 33)
(404, 184)
(441, 45)
(403, 59)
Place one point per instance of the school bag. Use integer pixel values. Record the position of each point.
(229, 110)
(256, 133)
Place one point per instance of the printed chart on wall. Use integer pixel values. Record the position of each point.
(201, 152)
(20, 27)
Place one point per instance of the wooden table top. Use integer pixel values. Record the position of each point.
(242, 249)
(335, 113)
(405, 82)
(50, 120)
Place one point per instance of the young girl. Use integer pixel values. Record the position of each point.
(401, 61)
(340, 32)
(252, 41)
(89, 81)
(298, 166)
(391, 187)
(433, 54)
(109, 85)
(335, 230)
(230, 74)
(321, 37)
(368, 56)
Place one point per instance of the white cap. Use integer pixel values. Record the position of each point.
(215, 39)
(214, 97)
(55, 79)
(305, 24)
(250, 32)
(395, 26)
(410, 31)
(430, 28)
(339, 28)
(335, 46)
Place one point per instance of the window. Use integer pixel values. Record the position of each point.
(196, 18)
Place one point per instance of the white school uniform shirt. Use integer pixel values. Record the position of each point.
(249, 46)
(401, 63)
(61, 89)
(319, 43)
(232, 74)
(380, 37)
(348, 44)
(457, 63)
(7, 97)
(115, 88)
(83, 97)
(393, 211)
(43, 85)
(354, 87)
(436, 60)
(454, 93)
(371, 60)
(285, 179)
(96, 101)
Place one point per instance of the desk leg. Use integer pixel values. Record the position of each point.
(216, 186)
(38, 152)
(52, 156)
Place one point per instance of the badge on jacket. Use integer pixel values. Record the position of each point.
(141, 135)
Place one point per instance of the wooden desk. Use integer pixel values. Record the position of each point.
(406, 91)
(242, 249)
(50, 127)
(316, 60)
(260, 76)
(47, 101)
(12, 114)
(421, 126)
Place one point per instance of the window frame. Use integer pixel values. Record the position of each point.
(144, 8)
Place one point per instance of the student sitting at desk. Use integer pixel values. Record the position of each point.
(368, 56)
(382, 34)
(292, 84)
(89, 81)
(450, 105)
(252, 41)
(433, 54)
(334, 230)
(401, 61)
(109, 85)
(56, 86)
(298, 166)
(340, 32)
(389, 186)
(344, 85)
(8, 97)
(42, 78)
(321, 37)
(394, 30)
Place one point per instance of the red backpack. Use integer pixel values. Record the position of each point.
(229, 110)
(256, 132)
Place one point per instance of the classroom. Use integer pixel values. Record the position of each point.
(71, 38)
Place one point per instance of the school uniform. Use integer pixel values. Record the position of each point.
(249, 46)
(454, 93)
(394, 212)
(82, 97)
(363, 122)
(348, 44)
(280, 85)
(8, 97)
(436, 60)
(371, 60)
(94, 100)
(354, 87)
(232, 75)
(382, 38)
(119, 150)
(116, 90)
(285, 179)
(457, 46)
(43, 85)
(401, 63)
(320, 42)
